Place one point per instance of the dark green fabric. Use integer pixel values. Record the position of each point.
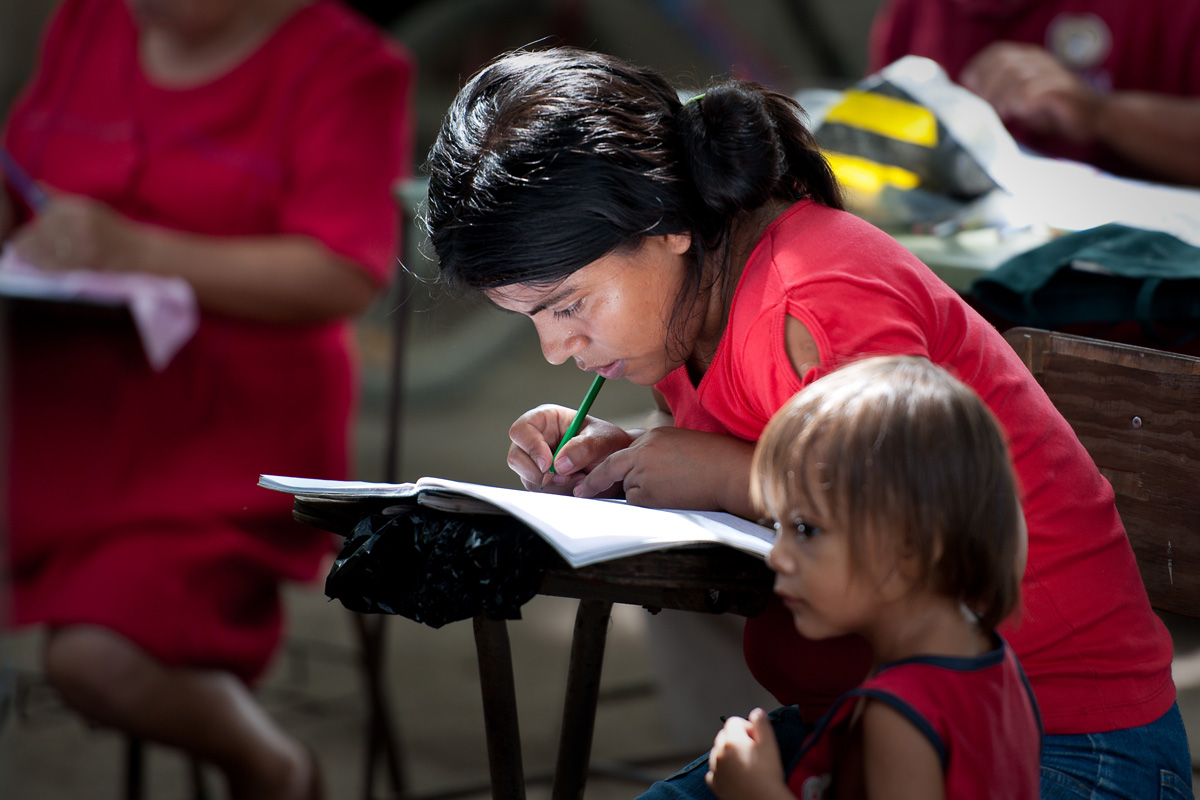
(1154, 279)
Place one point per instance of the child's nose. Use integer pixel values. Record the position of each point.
(780, 560)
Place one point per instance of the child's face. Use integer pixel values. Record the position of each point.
(820, 584)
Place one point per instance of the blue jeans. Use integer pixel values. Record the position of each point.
(1151, 762)
(1145, 763)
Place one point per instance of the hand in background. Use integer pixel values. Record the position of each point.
(1026, 84)
(75, 232)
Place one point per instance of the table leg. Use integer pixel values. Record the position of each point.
(499, 708)
(583, 692)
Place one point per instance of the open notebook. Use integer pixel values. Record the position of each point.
(583, 531)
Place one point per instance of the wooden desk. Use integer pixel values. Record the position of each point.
(704, 579)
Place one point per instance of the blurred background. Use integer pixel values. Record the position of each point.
(468, 372)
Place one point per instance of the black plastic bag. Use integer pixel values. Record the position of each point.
(436, 567)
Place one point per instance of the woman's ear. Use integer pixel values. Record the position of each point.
(679, 243)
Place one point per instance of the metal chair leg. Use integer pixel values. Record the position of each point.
(382, 736)
(134, 764)
(199, 785)
(135, 772)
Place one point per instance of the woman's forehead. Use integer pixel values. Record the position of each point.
(610, 269)
(528, 298)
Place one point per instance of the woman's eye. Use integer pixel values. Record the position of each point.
(570, 311)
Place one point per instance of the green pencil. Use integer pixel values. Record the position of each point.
(577, 423)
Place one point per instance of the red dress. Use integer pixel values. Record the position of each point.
(1097, 656)
(1147, 46)
(978, 713)
(132, 494)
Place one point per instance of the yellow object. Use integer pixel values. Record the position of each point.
(886, 116)
(868, 177)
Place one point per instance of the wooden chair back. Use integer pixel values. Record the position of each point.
(1137, 412)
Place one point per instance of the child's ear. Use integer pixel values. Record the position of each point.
(910, 557)
(939, 550)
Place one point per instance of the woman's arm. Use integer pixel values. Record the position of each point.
(286, 279)
(679, 468)
(1024, 82)
(669, 467)
(1158, 132)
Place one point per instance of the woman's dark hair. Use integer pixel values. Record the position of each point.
(548, 160)
(900, 456)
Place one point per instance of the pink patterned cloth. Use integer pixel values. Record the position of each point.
(164, 309)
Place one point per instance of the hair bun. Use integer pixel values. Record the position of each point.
(733, 146)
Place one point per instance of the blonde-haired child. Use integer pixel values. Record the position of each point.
(897, 516)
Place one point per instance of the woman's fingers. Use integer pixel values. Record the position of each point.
(532, 436)
(538, 433)
(608, 473)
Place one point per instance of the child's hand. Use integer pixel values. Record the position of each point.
(744, 761)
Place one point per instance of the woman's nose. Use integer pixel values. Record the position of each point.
(560, 344)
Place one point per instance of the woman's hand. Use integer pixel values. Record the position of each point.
(744, 761)
(1024, 82)
(537, 433)
(74, 232)
(678, 468)
(278, 278)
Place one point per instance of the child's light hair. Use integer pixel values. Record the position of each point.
(900, 456)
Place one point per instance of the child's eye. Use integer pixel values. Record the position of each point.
(804, 530)
(571, 311)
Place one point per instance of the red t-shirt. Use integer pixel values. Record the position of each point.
(978, 713)
(1147, 46)
(132, 494)
(1098, 657)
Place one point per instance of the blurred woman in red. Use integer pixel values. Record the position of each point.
(248, 147)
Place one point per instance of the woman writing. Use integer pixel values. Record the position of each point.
(699, 248)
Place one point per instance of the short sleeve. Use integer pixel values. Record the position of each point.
(352, 144)
(859, 316)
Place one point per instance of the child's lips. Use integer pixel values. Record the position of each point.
(792, 603)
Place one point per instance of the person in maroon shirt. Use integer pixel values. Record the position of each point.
(248, 147)
(1107, 82)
